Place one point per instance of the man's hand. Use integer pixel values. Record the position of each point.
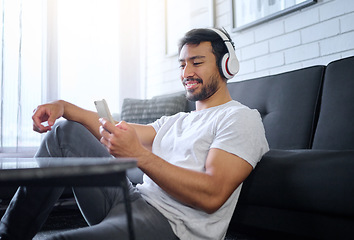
(121, 140)
(47, 113)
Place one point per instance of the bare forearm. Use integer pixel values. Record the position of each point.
(195, 189)
(87, 118)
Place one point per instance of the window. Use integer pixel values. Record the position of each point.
(88, 51)
(21, 71)
(54, 49)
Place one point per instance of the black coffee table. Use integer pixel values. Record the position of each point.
(69, 172)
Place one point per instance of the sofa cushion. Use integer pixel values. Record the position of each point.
(300, 191)
(287, 103)
(335, 129)
(303, 180)
(146, 111)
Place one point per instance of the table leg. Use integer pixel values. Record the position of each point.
(128, 208)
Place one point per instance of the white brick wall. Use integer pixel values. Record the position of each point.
(314, 35)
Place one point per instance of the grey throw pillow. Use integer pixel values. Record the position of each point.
(146, 111)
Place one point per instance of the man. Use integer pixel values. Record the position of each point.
(194, 163)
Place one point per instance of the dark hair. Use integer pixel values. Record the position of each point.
(198, 35)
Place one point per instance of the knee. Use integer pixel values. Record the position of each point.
(71, 139)
(65, 128)
(64, 133)
(71, 132)
(68, 126)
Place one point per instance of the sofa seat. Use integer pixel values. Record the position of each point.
(303, 180)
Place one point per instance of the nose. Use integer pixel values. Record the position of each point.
(188, 71)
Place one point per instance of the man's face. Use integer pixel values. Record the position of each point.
(199, 72)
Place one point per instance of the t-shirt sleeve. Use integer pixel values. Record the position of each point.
(242, 134)
(161, 121)
(158, 123)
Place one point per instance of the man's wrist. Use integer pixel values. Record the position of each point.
(145, 157)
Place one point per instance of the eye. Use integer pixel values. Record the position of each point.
(182, 64)
(197, 63)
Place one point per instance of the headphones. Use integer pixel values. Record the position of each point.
(229, 62)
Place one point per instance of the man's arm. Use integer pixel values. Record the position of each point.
(52, 111)
(206, 191)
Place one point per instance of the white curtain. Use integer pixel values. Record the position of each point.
(21, 71)
(54, 49)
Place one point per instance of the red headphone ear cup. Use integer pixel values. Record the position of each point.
(225, 67)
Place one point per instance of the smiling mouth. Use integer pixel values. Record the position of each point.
(191, 83)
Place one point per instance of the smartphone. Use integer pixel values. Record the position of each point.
(103, 110)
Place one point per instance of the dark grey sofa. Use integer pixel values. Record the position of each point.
(304, 186)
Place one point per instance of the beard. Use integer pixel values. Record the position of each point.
(207, 90)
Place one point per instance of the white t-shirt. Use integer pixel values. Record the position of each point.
(184, 140)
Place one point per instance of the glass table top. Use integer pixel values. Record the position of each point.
(33, 168)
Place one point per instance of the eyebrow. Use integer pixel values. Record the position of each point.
(192, 58)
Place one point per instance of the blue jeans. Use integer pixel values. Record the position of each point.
(103, 208)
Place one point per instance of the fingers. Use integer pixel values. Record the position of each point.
(107, 125)
(41, 115)
(123, 125)
(120, 140)
(44, 116)
(107, 139)
(41, 128)
(104, 133)
(105, 142)
(111, 135)
(106, 129)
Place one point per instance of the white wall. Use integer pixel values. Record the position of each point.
(314, 35)
(162, 72)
